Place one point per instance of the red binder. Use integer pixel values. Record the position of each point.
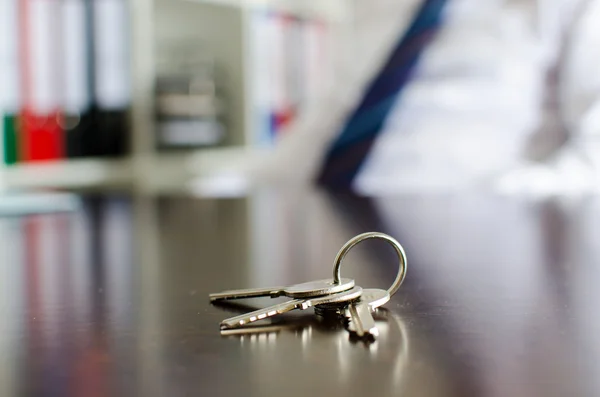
(41, 134)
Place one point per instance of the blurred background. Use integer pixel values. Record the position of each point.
(151, 94)
(216, 95)
(154, 151)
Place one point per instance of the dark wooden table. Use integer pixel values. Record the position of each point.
(501, 297)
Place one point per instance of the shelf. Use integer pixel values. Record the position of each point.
(185, 171)
(228, 160)
(69, 174)
(166, 171)
(328, 9)
(224, 171)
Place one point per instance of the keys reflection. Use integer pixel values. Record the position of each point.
(314, 332)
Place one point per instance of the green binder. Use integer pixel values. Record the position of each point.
(10, 126)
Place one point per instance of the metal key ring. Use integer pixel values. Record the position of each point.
(365, 236)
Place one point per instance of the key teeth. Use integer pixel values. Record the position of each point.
(369, 334)
(227, 326)
(231, 325)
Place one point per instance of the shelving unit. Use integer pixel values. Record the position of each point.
(337, 10)
(223, 28)
(70, 174)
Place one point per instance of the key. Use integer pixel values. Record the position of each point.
(361, 320)
(344, 297)
(297, 291)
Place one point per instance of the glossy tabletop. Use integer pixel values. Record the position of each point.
(501, 297)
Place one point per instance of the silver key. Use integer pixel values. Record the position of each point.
(297, 291)
(345, 297)
(361, 321)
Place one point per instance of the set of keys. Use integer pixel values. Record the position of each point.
(336, 296)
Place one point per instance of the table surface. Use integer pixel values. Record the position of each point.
(500, 297)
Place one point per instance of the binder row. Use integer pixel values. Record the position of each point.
(65, 89)
(292, 63)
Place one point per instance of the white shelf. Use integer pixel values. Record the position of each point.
(223, 172)
(328, 9)
(69, 174)
(166, 171)
(223, 160)
(181, 171)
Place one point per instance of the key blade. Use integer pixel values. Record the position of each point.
(239, 321)
(362, 320)
(272, 292)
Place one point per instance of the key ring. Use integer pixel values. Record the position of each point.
(365, 236)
